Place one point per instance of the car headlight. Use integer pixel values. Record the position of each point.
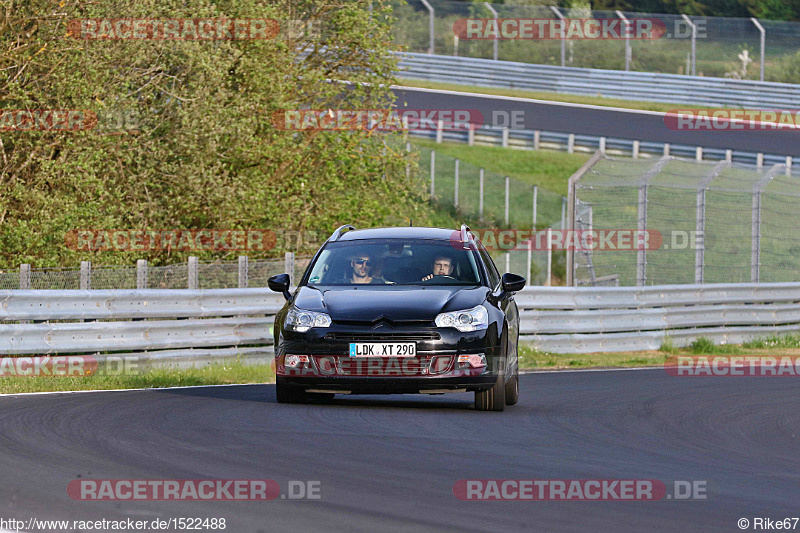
(301, 320)
(473, 319)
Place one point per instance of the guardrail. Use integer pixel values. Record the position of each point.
(180, 326)
(158, 326)
(610, 319)
(571, 143)
(626, 85)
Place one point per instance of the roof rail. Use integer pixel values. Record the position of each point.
(339, 231)
(465, 233)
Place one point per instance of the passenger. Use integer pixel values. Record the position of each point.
(362, 266)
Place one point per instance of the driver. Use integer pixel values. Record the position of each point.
(442, 266)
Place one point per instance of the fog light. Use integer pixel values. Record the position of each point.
(472, 360)
(295, 360)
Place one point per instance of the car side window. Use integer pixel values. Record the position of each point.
(494, 276)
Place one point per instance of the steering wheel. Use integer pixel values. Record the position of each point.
(442, 278)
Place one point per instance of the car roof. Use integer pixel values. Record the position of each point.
(399, 233)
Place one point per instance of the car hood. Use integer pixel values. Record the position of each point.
(395, 304)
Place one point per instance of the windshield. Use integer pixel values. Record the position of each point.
(395, 262)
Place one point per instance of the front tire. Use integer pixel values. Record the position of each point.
(512, 389)
(493, 399)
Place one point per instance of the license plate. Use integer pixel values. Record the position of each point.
(383, 349)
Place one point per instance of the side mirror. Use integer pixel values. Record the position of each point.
(513, 283)
(280, 283)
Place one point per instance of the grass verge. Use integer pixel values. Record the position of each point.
(532, 359)
(215, 374)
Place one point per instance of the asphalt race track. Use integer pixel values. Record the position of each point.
(390, 463)
(601, 121)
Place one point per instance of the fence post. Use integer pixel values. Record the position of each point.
(243, 271)
(529, 263)
(25, 276)
(141, 274)
(641, 254)
(763, 33)
(549, 239)
(455, 45)
(86, 275)
(755, 250)
(627, 40)
(563, 35)
(480, 195)
(572, 186)
(408, 164)
(288, 266)
(535, 201)
(694, 43)
(563, 212)
(507, 183)
(192, 272)
(508, 261)
(700, 223)
(494, 15)
(455, 197)
(433, 171)
(430, 25)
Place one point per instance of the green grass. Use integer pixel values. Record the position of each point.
(549, 170)
(530, 358)
(554, 97)
(215, 374)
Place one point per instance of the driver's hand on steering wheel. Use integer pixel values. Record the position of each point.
(426, 278)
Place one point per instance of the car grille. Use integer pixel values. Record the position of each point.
(383, 337)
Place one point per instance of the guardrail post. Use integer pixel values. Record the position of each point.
(507, 184)
(700, 223)
(728, 155)
(537, 137)
(192, 281)
(480, 194)
(763, 33)
(698, 153)
(627, 39)
(471, 135)
(455, 196)
(788, 165)
(433, 172)
(243, 271)
(666, 149)
(439, 131)
(636, 149)
(755, 250)
(602, 146)
(694, 44)
(563, 35)
(288, 265)
(141, 274)
(505, 137)
(535, 201)
(86, 275)
(431, 31)
(571, 143)
(759, 160)
(494, 15)
(25, 276)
